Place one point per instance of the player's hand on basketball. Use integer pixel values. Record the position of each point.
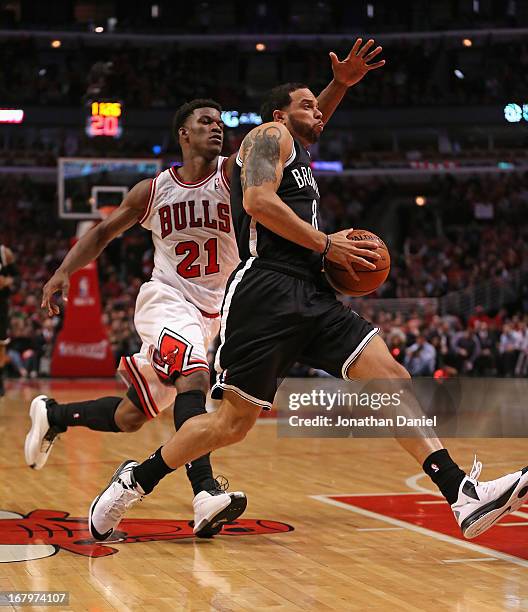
(346, 252)
(60, 281)
(356, 65)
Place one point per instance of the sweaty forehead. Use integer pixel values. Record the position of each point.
(299, 95)
(206, 111)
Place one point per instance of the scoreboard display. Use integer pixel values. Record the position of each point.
(105, 118)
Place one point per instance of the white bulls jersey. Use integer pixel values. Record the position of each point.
(194, 241)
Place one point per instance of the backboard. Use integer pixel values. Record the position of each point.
(87, 184)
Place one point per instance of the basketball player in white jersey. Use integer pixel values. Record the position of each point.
(177, 312)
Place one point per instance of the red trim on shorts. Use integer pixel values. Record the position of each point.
(148, 207)
(177, 179)
(145, 383)
(137, 379)
(137, 387)
(208, 315)
(193, 370)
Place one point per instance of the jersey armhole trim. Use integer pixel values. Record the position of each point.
(224, 176)
(152, 193)
(292, 157)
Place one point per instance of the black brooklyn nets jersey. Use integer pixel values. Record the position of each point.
(299, 191)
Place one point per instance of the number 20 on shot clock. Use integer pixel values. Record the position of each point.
(105, 118)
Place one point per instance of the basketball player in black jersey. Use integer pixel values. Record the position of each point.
(278, 309)
(7, 276)
(101, 412)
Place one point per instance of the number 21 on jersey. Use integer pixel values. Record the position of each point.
(187, 268)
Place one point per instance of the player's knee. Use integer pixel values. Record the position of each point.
(128, 417)
(199, 381)
(132, 423)
(238, 431)
(237, 427)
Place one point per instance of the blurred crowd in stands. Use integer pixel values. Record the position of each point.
(451, 345)
(422, 72)
(470, 230)
(270, 16)
(433, 255)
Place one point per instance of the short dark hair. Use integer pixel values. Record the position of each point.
(187, 109)
(278, 99)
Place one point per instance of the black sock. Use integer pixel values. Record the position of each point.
(151, 471)
(199, 472)
(445, 473)
(95, 414)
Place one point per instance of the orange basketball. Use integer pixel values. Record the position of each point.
(369, 280)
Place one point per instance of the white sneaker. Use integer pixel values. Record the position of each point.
(109, 507)
(481, 504)
(214, 508)
(41, 436)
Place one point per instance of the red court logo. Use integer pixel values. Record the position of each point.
(43, 533)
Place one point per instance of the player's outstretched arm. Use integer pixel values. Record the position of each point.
(347, 73)
(264, 152)
(90, 246)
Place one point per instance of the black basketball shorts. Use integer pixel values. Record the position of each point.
(272, 319)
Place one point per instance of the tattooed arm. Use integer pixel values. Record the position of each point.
(264, 151)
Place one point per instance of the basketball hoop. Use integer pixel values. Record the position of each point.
(84, 185)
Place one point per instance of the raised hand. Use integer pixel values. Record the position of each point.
(355, 66)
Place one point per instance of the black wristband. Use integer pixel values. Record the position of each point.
(327, 246)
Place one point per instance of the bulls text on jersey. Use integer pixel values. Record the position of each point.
(182, 215)
(192, 232)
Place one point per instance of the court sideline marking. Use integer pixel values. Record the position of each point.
(421, 530)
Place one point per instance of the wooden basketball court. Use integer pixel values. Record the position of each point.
(330, 525)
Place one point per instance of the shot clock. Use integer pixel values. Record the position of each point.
(104, 118)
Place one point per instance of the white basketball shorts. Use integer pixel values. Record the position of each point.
(166, 320)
